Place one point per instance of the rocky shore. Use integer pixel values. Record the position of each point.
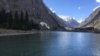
(86, 29)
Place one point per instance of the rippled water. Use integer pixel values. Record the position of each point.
(51, 44)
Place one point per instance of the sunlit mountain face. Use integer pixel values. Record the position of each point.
(69, 21)
(93, 20)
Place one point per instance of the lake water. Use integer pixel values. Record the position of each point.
(51, 44)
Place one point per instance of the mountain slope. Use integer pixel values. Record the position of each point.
(33, 12)
(68, 22)
(93, 20)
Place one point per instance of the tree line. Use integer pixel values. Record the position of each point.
(22, 22)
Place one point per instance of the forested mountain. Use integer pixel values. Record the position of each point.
(27, 15)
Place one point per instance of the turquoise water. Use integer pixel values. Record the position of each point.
(51, 44)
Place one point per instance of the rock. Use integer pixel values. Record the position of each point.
(93, 20)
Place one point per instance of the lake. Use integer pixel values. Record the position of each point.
(51, 44)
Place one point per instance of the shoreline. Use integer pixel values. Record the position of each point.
(14, 34)
(35, 32)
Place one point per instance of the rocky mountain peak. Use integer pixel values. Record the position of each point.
(69, 21)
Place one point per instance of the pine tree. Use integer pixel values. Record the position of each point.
(21, 21)
(10, 20)
(16, 20)
(26, 22)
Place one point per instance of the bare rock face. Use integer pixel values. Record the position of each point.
(27, 14)
(93, 20)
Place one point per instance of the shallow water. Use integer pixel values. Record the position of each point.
(51, 44)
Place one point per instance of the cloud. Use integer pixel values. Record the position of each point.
(52, 10)
(79, 8)
(96, 8)
(98, 1)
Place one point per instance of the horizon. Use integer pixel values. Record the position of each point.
(79, 10)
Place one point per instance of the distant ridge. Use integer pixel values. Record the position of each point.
(68, 21)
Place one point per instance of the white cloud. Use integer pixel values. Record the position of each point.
(52, 10)
(79, 8)
(98, 1)
(96, 8)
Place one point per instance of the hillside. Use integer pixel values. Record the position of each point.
(27, 15)
(93, 20)
(68, 21)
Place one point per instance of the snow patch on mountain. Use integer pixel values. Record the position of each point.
(69, 21)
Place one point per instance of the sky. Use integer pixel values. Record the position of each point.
(78, 9)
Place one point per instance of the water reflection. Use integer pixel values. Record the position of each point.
(23, 45)
(51, 44)
(69, 44)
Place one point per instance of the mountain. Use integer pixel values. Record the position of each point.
(27, 15)
(93, 20)
(67, 21)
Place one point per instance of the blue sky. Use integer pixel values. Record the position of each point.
(79, 9)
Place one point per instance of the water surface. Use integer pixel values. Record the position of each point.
(51, 44)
